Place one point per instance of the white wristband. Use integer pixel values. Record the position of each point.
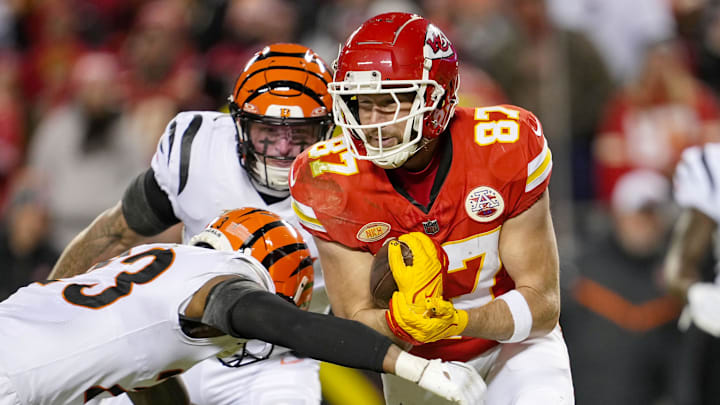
(522, 317)
(410, 367)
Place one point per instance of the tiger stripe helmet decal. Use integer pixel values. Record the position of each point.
(272, 241)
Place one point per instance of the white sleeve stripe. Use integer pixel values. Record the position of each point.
(304, 210)
(539, 168)
(312, 226)
(307, 216)
(530, 186)
(539, 159)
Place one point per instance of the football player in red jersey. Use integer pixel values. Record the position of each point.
(473, 181)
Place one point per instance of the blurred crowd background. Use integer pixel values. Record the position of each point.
(621, 87)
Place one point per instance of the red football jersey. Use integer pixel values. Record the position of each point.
(496, 165)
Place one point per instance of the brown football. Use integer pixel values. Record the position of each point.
(382, 283)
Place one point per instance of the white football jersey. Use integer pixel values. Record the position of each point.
(697, 180)
(196, 164)
(115, 328)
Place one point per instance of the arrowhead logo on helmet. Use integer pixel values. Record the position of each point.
(438, 44)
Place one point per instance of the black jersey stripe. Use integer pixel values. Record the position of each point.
(186, 147)
(440, 177)
(281, 252)
(703, 159)
(171, 139)
(286, 83)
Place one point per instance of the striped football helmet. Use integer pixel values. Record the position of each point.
(281, 106)
(397, 55)
(274, 242)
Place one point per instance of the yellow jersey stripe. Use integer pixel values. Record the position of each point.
(307, 216)
(539, 169)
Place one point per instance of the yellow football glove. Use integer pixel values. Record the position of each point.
(437, 319)
(422, 279)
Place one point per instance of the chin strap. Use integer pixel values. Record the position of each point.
(263, 189)
(399, 159)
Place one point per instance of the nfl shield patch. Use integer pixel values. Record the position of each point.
(431, 227)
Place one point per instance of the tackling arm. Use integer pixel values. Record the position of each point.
(242, 308)
(528, 251)
(347, 280)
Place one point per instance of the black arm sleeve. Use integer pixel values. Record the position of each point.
(266, 316)
(146, 207)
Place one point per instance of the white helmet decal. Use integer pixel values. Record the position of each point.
(437, 45)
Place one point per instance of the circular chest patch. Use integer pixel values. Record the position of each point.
(484, 204)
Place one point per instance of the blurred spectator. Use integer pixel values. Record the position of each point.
(160, 60)
(84, 149)
(238, 40)
(708, 58)
(618, 321)
(620, 29)
(25, 252)
(248, 26)
(545, 68)
(690, 25)
(558, 75)
(162, 73)
(478, 89)
(8, 28)
(100, 23)
(338, 18)
(54, 46)
(651, 120)
(12, 122)
(479, 28)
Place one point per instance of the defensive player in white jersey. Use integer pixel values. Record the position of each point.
(697, 190)
(133, 323)
(207, 162)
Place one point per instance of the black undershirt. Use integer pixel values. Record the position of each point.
(414, 185)
(146, 207)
